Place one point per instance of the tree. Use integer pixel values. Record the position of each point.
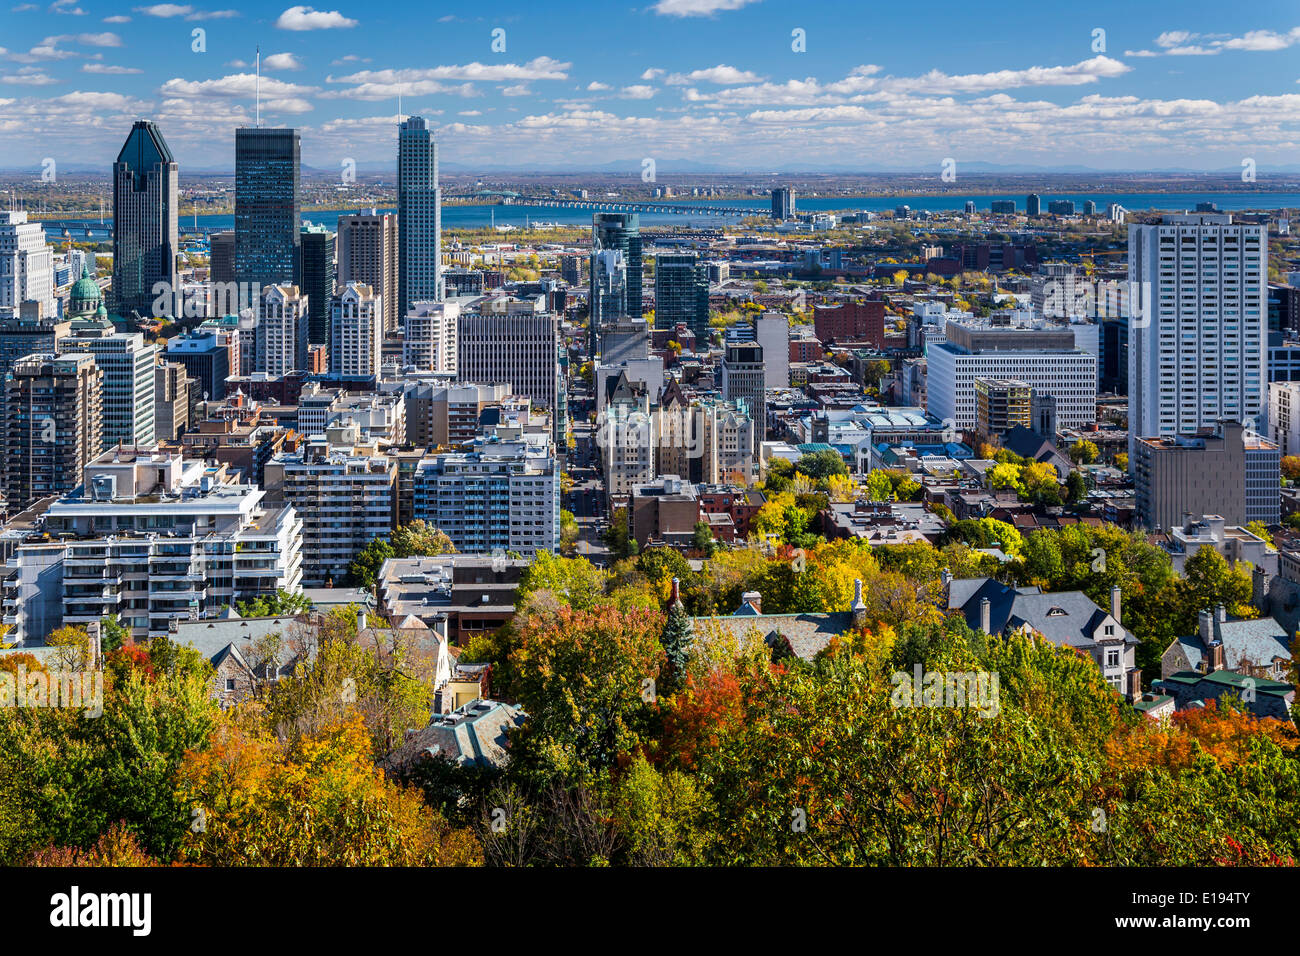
(1005, 476)
(676, 639)
(618, 536)
(587, 682)
(278, 604)
(1121, 461)
(568, 531)
(113, 634)
(365, 567)
(420, 539)
(1259, 529)
(874, 372)
(703, 538)
(821, 465)
(575, 581)
(1291, 467)
(318, 801)
(1083, 452)
(1076, 487)
(879, 487)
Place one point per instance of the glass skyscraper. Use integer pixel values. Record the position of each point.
(682, 294)
(318, 280)
(144, 221)
(419, 217)
(614, 232)
(268, 206)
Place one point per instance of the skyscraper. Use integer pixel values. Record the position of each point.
(51, 426)
(356, 332)
(318, 247)
(682, 294)
(1033, 205)
(281, 330)
(782, 203)
(1198, 338)
(128, 384)
(419, 217)
(26, 266)
(268, 207)
(145, 243)
(368, 254)
(614, 232)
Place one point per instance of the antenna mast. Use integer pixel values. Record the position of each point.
(258, 86)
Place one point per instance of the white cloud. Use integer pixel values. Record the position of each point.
(697, 8)
(720, 74)
(281, 61)
(637, 92)
(50, 49)
(306, 18)
(1186, 43)
(106, 70)
(595, 87)
(653, 73)
(119, 18)
(350, 58)
(28, 76)
(166, 10)
(97, 39)
(276, 94)
(67, 6)
(518, 89)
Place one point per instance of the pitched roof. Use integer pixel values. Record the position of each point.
(1256, 641)
(1063, 617)
(476, 734)
(805, 635)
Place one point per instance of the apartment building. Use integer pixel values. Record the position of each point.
(127, 388)
(281, 330)
(511, 340)
(52, 425)
(150, 536)
(344, 489)
(429, 339)
(368, 255)
(497, 496)
(744, 378)
(356, 333)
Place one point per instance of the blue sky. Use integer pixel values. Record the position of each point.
(1195, 84)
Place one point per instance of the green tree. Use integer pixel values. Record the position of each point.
(821, 465)
(1083, 452)
(575, 581)
(280, 603)
(1076, 487)
(420, 539)
(365, 567)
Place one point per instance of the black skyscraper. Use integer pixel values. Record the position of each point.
(268, 208)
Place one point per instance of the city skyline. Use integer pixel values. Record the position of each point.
(714, 82)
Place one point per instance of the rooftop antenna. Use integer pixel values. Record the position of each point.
(258, 86)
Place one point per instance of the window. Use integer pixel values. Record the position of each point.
(230, 683)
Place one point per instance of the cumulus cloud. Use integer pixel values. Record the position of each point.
(637, 92)
(281, 61)
(107, 70)
(697, 8)
(306, 18)
(720, 74)
(596, 87)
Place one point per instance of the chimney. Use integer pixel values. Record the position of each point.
(945, 576)
(985, 616)
(1216, 656)
(1114, 602)
(1205, 627)
(677, 593)
(1133, 684)
(859, 607)
(1221, 614)
(1259, 590)
(361, 621)
(753, 598)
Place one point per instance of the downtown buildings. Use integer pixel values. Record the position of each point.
(145, 235)
(26, 267)
(617, 271)
(682, 293)
(368, 255)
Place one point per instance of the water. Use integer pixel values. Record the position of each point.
(479, 217)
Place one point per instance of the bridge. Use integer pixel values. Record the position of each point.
(606, 205)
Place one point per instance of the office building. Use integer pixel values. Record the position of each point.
(206, 360)
(268, 206)
(1033, 205)
(1046, 359)
(616, 281)
(1197, 337)
(1001, 405)
(1220, 470)
(221, 256)
(1112, 357)
(186, 541)
(772, 332)
(519, 345)
(318, 248)
(682, 294)
(281, 330)
(26, 266)
(1061, 207)
(1284, 416)
(356, 332)
(1003, 207)
(429, 339)
(127, 386)
(497, 496)
(860, 323)
(447, 414)
(368, 255)
(52, 425)
(744, 378)
(145, 235)
(624, 340)
(419, 216)
(783, 200)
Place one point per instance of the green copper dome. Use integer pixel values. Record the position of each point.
(85, 297)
